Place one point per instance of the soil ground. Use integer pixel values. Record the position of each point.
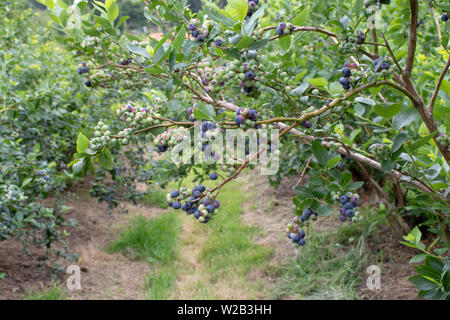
(113, 276)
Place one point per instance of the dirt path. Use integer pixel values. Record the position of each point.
(114, 276)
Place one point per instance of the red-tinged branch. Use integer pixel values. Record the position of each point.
(414, 13)
(438, 85)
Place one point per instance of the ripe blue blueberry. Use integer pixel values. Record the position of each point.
(349, 213)
(343, 199)
(201, 188)
(162, 148)
(301, 234)
(342, 218)
(295, 237)
(344, 81)
(176, 205)
(210, 208)
(213, 176)
(250, 75)
(346, 72)
(348, 206)
(216, 204)
(342, 210)
(195, 33)
(192, 26)
(197, 214)
(444, 17)
(302, 242)
(385, 66)
(219, 42)
(252, 114)
(174, 194)
(206, 202)
(201, 37)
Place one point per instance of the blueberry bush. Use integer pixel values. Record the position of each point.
(355, 95)
(44, 105)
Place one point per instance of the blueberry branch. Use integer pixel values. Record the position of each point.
(438, 85)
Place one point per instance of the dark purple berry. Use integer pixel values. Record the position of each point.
(344, 81)
(346, 72)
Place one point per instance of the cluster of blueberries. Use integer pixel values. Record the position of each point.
(82, 68)
(383, 66)
(283, 28)
(191, 202)
(346, 74)
(293, 230)
(195, 32)
(348, 203)
(242, 114)
(125, 62)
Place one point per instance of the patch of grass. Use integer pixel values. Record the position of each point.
(160, 284)
(156, 198)
(329, 266)
(231, 245)
(54, 293)
(152, 240)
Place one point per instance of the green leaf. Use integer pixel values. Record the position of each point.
(318, 82)
(346, 178)
(113, 12)
(366, 101)
(245, 42)
(250, 24)
(299, 90)
(324, 210)
(285, 42)
(304, 192)
(237, 9)
(78, 166)
(421, 283)
(398, 141)
(320, 153)
(302, 17)
(404, 118)
(258, 44)
(387, 165)
(218, 17)
(179, 39)
(420, 142)
(26, 182)
(418, 258)
(138, 50)
(82, 143)
(417, 235)
(387, 110)
(202, 113)
(332, 162)
(106, 160)
(355, 185)
(2, 275)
